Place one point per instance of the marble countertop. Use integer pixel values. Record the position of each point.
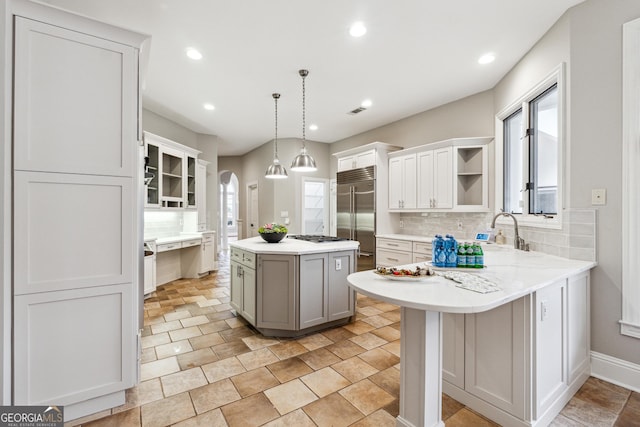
(292, 246)
(517, 273)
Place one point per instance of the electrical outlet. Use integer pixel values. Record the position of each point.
(543, 310)
(401, 224)
(338, 264)
(459, 225)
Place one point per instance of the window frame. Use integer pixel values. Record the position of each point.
(555, 77)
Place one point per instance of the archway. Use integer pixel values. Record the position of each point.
(228, 193)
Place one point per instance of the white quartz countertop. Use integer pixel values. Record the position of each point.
(292, 246)
(407, 237)
(183, 237)
(517, 273)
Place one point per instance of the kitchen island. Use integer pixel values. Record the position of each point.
(293, 287)
(516, 355)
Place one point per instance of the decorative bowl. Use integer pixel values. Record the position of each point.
(273, 237)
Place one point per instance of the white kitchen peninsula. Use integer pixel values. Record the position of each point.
(293, 287)
(516, 355)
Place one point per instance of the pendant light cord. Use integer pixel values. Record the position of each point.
(276, 96)
(304, 74)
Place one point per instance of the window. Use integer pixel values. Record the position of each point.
(531, 148)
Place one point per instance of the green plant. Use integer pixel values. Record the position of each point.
(272, 228)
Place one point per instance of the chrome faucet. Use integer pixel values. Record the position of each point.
(518, 242)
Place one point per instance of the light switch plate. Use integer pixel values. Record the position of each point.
(599, 196)
(284, 214)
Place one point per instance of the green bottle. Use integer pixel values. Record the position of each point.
(478, 256)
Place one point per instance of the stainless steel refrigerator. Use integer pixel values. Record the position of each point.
(356, 212)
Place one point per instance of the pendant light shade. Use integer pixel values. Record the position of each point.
(275, 169)
(303, 161)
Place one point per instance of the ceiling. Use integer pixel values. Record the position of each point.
(416, 55)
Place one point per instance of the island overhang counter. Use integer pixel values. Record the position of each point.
(292, 287)
(516, 356)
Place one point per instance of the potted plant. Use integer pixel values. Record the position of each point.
(272, 232)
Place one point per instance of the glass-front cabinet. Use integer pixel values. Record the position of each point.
(170, 174)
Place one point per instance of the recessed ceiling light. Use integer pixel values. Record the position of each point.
(487, 58)
(366, 103)
(194, 54)
(357, 29)
(208, 106)
(313, 127)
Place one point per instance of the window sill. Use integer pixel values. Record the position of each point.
(532, 221)
(629, 329)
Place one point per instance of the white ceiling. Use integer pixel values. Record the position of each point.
(416, 55)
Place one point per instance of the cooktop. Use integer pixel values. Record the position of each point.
(316, 238)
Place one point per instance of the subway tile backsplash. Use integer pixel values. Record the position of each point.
(161, 224)
(576, 239)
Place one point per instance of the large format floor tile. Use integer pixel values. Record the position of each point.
(203, 366)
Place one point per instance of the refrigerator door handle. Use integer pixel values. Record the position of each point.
(352, 190)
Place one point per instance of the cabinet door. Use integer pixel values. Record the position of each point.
(409, 182)
(236, 287)
(249, 294)
(201, 195)
(314, 295)
(495, 359)
(443, 178)
(395, 183)
(453, 349)
(424, 198)
(368, 158)
(75, 102)
(341, 296)
(578, 328)
(277, 294)
(206, 257)
(346, 163)
(74, 345)
(153, 168)
(549, 350)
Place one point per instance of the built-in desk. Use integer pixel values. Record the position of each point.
(184, 256)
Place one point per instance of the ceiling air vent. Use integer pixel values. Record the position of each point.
(356, 111)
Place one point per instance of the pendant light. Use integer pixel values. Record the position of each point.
(303, 161)
(276, 170)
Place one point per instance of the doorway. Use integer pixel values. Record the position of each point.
(315, 206)
(252, 209)
(228, 225)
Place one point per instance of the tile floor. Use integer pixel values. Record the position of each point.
(202, 366)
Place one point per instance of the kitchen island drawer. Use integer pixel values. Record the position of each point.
(245, 258)
(396, 245)
(388, 258)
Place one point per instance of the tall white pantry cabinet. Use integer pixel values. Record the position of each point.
(71, 209)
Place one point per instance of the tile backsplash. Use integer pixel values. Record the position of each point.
(576, 239)
(161, 224)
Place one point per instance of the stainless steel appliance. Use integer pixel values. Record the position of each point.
(356, 212)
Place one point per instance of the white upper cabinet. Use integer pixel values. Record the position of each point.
(435, 182)
(446, 175)
(402, 182)
(175, 179)
(358, 160)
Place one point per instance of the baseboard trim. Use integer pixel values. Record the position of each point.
(616, 371)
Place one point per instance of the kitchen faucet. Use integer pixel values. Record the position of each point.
(518, 242)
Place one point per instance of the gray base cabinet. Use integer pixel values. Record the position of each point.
(277, 286)
(293, 294)
(243, 284)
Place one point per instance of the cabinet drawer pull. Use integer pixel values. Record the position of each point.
(393, 259)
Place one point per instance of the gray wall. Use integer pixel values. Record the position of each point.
(596, 155)
(276, 195)
(466, 117)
